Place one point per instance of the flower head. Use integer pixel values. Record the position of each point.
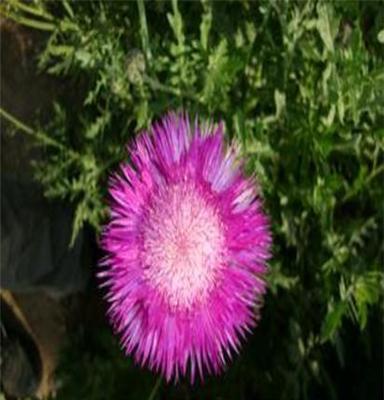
(186, 245)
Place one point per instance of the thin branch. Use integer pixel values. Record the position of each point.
(31, 23)
(155, 389)
(37, 11)
(370, 177)
(37, 135)
(144, 31)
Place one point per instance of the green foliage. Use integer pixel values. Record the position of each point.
(300, 86)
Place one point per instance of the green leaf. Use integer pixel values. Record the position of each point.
(277, 279)
(367, 290)
(279, 103)
(332, 320)
(327, 25)
(205, 25)
(96, 128)
(176, 22)
(380, 36)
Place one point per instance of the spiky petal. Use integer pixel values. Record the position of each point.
(186, 244)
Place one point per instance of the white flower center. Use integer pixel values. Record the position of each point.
(182, 245)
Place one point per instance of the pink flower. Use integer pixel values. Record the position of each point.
(186, 244)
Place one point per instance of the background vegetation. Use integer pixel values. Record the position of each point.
(300, 85)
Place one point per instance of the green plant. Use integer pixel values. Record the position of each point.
(300, 86)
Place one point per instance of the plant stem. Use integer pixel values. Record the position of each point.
(39, 12)
(144, 30)
(18, 124)
(156, 85)
(31, 23)
(371, 176)
(40, 136)
(155, 389)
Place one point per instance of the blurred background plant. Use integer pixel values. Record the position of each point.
(299, 85)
